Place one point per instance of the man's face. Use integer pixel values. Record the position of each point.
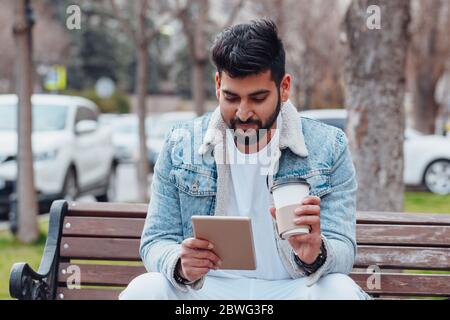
(251, 103)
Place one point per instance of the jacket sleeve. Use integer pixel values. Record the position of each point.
(338, 214)
(162, 234)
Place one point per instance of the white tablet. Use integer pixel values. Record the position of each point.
(232, 238)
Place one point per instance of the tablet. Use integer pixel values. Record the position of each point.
(232, 238)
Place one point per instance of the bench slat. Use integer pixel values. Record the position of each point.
(403, 218)
(101, 275)
(406, 284)
(383, 256)
(100, 248)
(107, 209)
(86, 294)
(403, 257)
(403, 235)
(103, 227)
(139, 210)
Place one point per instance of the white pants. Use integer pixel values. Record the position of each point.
(155, 286)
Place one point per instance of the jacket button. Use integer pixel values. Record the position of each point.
(195, 187)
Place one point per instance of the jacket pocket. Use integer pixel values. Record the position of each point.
(193, 181)
(197, 191)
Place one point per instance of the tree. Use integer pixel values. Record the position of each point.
(142, 35)
(194, 16)
(50, 44)
(374, 89)
(429, 51)
(28, 231)
(310, 32)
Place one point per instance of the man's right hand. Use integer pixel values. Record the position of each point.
(197, 259)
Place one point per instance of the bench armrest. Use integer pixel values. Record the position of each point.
(27, 284)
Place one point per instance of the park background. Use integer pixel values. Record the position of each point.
(385, 70)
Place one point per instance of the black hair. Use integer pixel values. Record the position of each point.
(249, 49)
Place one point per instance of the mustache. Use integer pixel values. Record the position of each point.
(237, 121)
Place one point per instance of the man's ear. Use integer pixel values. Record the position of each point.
(285, 87)
(218, 85)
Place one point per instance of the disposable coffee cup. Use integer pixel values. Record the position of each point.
(287, 197)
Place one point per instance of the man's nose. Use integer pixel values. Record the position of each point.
(244, 113)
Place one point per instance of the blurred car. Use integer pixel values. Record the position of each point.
(72, 155)
(125, 137)
(107, 119)
(426, 157)
(125, 134)
(160, 128)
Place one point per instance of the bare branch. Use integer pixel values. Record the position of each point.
(156, 29)
(127, 28)
(234, 13)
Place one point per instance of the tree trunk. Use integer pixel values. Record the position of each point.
(425, 108)
(426, 63)
(141, 87)
(199, 56)
(198, 86)
(374, 84)
(28, 231)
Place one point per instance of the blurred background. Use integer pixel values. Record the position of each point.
(89, 89)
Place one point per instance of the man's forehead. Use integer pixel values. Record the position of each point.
(247, 85)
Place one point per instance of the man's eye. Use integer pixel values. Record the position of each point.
(231, 99)
(259, 100)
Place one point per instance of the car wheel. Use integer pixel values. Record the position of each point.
(111, 188)
(70, 188)
(437, 177)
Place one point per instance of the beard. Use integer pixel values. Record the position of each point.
(254, 135)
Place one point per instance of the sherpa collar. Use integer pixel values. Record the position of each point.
(291, 135)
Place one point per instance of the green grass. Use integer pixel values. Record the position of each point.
(426, 202)
(12, 251)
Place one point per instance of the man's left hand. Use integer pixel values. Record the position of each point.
(306, 246)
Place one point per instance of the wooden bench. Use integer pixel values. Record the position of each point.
(100, 242)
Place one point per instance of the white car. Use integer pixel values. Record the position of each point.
(72, 155)
(125, 134)
(426, 157)
(158, 130)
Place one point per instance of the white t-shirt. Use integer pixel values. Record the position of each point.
(248, 196)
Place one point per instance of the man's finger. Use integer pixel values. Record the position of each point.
(201, 263)
(301, 238)
(205, 254)
(314, 200)
(194, 243)
(307, 220)
(307, 210)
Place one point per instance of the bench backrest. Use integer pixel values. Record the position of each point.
(100, 242)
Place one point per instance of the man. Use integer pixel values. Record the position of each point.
(206, 169)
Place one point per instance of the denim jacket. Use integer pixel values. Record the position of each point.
(192, 175)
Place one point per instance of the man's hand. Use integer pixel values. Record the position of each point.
(197, 259)
(306, 246)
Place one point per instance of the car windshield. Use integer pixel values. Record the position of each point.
(45, 117)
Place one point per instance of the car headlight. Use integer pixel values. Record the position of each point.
(46, 155)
